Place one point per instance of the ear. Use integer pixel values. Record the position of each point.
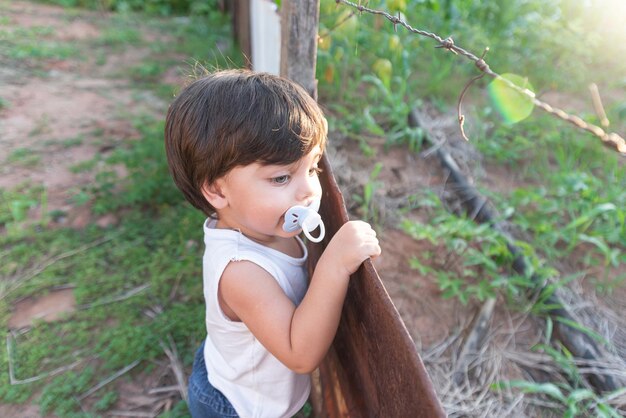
(213, 194)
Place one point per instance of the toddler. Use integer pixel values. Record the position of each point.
(244, 148)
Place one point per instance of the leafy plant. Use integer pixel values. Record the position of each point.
(570, 398)
(366, 201)
(16, 204)
(477, 258)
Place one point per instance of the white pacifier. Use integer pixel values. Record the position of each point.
(305, 218)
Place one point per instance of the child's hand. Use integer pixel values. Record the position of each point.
(351, 245)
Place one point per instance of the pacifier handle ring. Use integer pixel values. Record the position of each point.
(312, 238)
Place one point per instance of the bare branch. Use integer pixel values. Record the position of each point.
(108, 380)
(176, 365)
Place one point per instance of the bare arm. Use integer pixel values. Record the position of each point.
(299, 336)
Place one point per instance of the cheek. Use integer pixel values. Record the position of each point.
(271, 203)
(317, 186)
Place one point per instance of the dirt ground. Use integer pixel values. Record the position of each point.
(62, 113)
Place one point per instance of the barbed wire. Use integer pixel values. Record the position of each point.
(609, 139)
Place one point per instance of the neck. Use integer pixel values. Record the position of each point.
(289, 246)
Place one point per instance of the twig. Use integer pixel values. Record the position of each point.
(176, 365)
(108, 380)
(597, 105)
(16, 282)
(127, 295)
(176, 285)
(477, 331)
(611, 140)
(54, 372)
(137, 414)
(613, 395)
(460, 115)
(163, 389)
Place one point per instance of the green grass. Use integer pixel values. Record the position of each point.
(119, 35)
(149, 251)
(135, 284)
(23, 157)
(15, 204)
(72, 142)
(32, 43)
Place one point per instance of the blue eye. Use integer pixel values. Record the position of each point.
(280, 179)
(315, 171)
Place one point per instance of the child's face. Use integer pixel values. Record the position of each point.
(257, 196)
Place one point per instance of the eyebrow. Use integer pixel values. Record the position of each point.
(316, 159)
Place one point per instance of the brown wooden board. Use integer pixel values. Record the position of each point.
(373, 368)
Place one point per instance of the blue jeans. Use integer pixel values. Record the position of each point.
(204, 400)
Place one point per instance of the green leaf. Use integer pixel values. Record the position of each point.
(549, 389)
(605, 207)
(606, 411)
(573, 324)
(549, 326)
(578, 395)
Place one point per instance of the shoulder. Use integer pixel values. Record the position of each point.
(245, 285)
(243, 269)
(245, 275)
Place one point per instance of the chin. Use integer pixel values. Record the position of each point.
(290, 234)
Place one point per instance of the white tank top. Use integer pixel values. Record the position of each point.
(255, 382)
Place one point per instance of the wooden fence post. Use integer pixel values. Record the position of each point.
(373, 368)
(298, 51)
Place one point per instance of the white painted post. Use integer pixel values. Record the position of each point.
(265, 34)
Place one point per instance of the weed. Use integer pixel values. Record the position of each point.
(85, 166)
(23, 157)
(33, 43)
(147, 71)
(574, 209)
(119, 36)
(16, 204)
(72, 142)
(57, 397)
(366, 201)
(477, 257)
(570, 398)
(106, 401)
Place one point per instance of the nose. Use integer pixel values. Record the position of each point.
(308, 188)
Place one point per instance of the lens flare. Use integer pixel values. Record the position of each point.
(513, 105)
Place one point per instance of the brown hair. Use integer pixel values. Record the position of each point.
(233, 118)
